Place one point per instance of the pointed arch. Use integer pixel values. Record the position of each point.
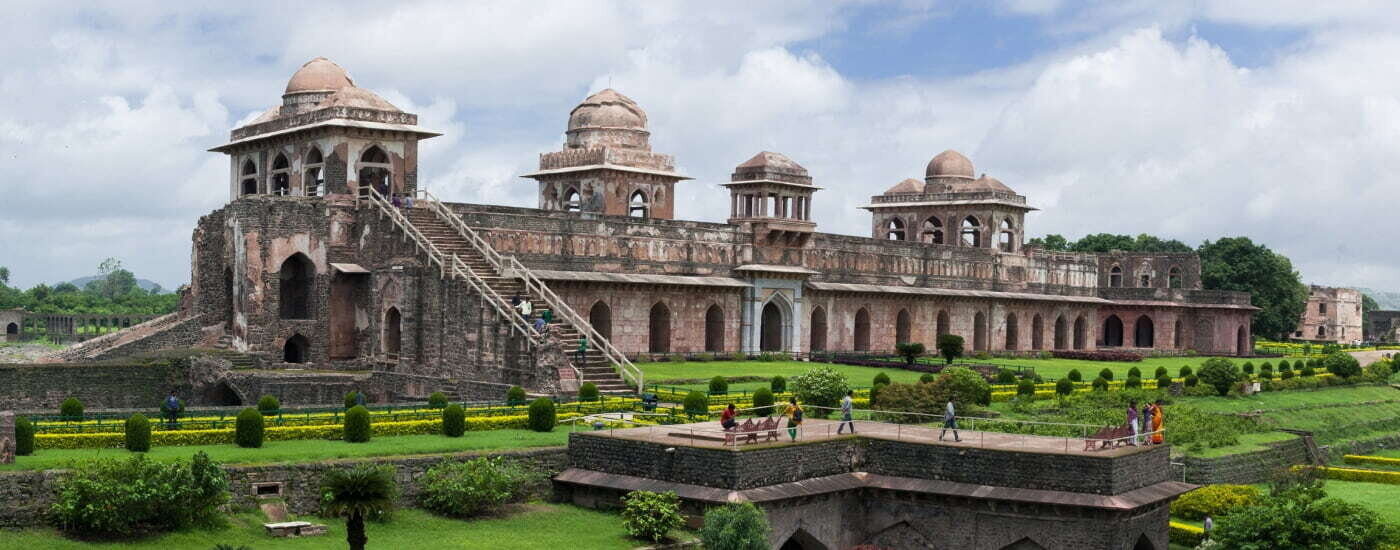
(1081, 332)
(944, 325)
(772, 321)
(374, 154)
(1174, 277)
(894, 230)
(1113, 332)
(932, 232)
(1143, 332)
(802, 540)
(979, 332)
(296, 283)
(375, 170)
(862, 330)
(659, 329)
(714, 329)
(600, 316)
(296, 349)
(1115, 277)
(313, 171)
(573, 201)
(248, 184)
(971, 232)
(1007, 236)
(1037, 333)
(1143, 543)
(281, 175)
(1012, 331)
(1061, 332)
(638, 206)
(902, 327)
(1024, 544)
(393, 332)
(818, 330)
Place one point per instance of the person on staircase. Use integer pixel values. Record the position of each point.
(582, 352)
(527, 310)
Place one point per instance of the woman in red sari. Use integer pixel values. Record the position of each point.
(1157, 423)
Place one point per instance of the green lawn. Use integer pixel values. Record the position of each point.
(1286, 399)
(1379, 497)
(1059, 368)
(535, 525)
(301, 450)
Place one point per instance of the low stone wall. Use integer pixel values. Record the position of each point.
(44, 387)
(182, 334)
(1255, 467)
(26, 496)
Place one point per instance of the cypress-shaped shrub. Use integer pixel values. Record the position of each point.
(696, 404)
(71, 409)
(1248, 368)
(1064, 386)
(1191, 381)
(778, 384)
(1283, 364)
(1135, 372)
(1266, 372)
(1106, 374)
(1133, 382)
(1074, 376)
(454, 421)
(1100, 384)
(542, 417)
(357, 424)
(927, 378)
(1160, 372)
(1184, 372)
(1284, 372)
(24, 436)
(138, 433)
(1307, 370)
(248, 429)
(1164, 382)
(881, 378)
(1026, 388)
(719, 386)
(588, 392)
(515, 396)
(350, 398)
(268, 405)
(437, 400)
(763, 402)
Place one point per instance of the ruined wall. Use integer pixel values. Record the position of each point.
(44, 387)
(1158, 267)
(630, 307)
(1332, 315)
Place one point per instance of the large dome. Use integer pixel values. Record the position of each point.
(319, 75)
(949, 164)
(608, 109)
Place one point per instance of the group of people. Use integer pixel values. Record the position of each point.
(1149, 420)
(526, 309)
(794, 413)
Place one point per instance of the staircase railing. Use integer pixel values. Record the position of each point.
(454, 265)
(535, 287)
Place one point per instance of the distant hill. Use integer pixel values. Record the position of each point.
(145, 284)
(1387, 300)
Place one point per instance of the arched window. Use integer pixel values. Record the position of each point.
(11, 329)
(818, 328)
(1143, 333)
(375, 171)
(295, 283)
(1113, 332)
(1012, 330)
(659, 329)
(313, 180)
(862, 335)
(295, 350)
(1008, 236)
(1037, 333)
(374, 155)
(393, 332)
(637, 206)
(1321, 332)
(894, 229)
(979, 332)
(573, 202)
(1061, 333)
(281, 176)
(1081, 332)
(1115, 277)
(714, 329)
(600, 316)
(1174, 277)
(249, 183)
(770, 332)
(943, 324)
(971, 232)
(932, 232)
(902, 327)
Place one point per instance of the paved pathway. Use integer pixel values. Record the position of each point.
(1368, 357)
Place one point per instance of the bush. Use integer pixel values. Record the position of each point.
(950, 347)
(1215, 501)
(880, 378)
(696, 404)
(1284, 371)
(964, 387)
(763, 402)
(1307, 370)
(1106, 374)
(71, 409)
(24, 436)
(651, 516)
(1064, 387)
(454, 421)
(437, 400)
(268, 405)
(1248, 368)
(1164, 382)
(925, 399)
(1074, 376)
(1026, 388)
(138, 433)
(1160, 372)
(542, 417)
(588, 392)
(1099, 355)
(1100, 384)
(719, 386)
(351, 399)
(1219, 373)
(910, 351)
(1283, 364)
(515, 396)
(1342, 364)
(473, 487)
(1134, 372)
(822, 387)
(1184, 372)
(1378, 371)
(927, 378)
(1005, 377)
(778, 384)
(875, 392)
(735, 526)
(1266, 372)
(110, 497)
(248, 429)
(357, 428)
(1133, 383)
(1190, 381)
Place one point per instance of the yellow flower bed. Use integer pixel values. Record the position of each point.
(1357, 474)
(1185, 534)
(1367, 459)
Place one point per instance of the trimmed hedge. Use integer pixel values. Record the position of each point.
(778, 384)
(1097, 355)
(71, 409)
(588, 392)
(696, 404)
(1185, 534)
(357, 424)
(719, 386)
(454, 421)
(268, 405)
(763, 402)
(1357, 474)
(1368, 459)
(542, 417)
(24, 436)
(138, 433)
(437, 400)
(249, 429)
(515, 396)
(1215, 501)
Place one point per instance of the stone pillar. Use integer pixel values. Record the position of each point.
(7, 437)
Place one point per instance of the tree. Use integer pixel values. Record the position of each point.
(1368, 304)
(910, 351)
(1341, 364)
(1240, 265)
(950, 346)
(1149, 243)
(735, 526)
(1299, 516)
(1052, 242)
(1220, 373)
(365, 491)
(1103, 242)
(4, 275)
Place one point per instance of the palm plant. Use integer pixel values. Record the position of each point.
(357, 493)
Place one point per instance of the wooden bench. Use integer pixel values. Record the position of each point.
(294, 529)
(1107, 436)
(749, 430)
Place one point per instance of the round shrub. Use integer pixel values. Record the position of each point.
(696, 404)
(1219, 373)
(881, 378)
(1284, 372)
(437, 400)
(1100, 384)
(1134, 372)
(875, 392)
(927, 378)
(651, 516)
(138, 433)
(1106, 374)
(24, 436)
(1266, 372)
(719, 386)
(248, 429)
(542, 418)
(1160, 372)
(763, 402)
(1342, 364)
(357, 424)
(1215, 501)
(1378, 371)
(454, 421)
(588, 392)
(964, 386)
(1133, 382)
(351, 399)
(1164, 382)
(1248, 368)
(515, 396)
(1184, 372)
(71, 409)
(1191, 381)
(778, 384)
(1074, 376)
(1283, 364)
(1005, 377)
(268, 405)
(1026, 388)
(472, 487)
(1064, 386)
(1307, 370)
(1267, 366)
(735, 526)
(822, 387)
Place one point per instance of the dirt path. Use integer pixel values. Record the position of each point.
(23, 353)
(1368, 357)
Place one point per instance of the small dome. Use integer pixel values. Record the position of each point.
(777, 162)
(910, 185)
(985, 183)
(319, 75)
(608, 109)
(357, 98)
(949, 164)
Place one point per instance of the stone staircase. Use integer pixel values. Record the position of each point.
(93, 347)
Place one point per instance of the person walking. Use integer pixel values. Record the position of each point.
(547, 315)
(1157, 435)
(527, 309)
(950, 422)
(581, 354)
(1208, 525)
(171, 408)
(846, 408)
(1133, 421)
(794, 415)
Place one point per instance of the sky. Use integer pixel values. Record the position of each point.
(1278, 120)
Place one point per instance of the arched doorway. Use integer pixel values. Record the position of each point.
(942, 322)
(1037, 333)
(313, 179)
(1176, 334)
(393, 332)
(11, 329)
(971, 232)
(979, 332)
(1023, 544)
(1142, 332)
(770, 336)
(295, 350)
(249, 183)
(714, 329)
(659, 329)
(281, 176)
(802, 540)
(1081, 332)
(862, 332)
(375, 171)
(902, 327)
(295, 281)
(894, 230)
(637, 206)
(600, 316)
(573, 202)
(1242, 346)
(1113, 332)
(933, 231)
(818, 336)
(1144, 544)
(1012, 330)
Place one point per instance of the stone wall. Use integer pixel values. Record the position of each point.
(182, 334)
(1255, 467)
(44, 387)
